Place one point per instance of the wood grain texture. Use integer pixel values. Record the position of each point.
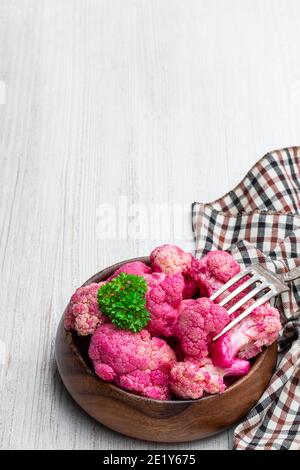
(160, 102)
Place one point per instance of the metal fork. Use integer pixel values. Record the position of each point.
(265, 285)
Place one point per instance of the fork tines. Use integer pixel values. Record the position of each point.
(264, 285)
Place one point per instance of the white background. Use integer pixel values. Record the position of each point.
(160, 102)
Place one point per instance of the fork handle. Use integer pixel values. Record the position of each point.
(291, 275)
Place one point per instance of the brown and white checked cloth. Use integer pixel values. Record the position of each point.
(259, 221)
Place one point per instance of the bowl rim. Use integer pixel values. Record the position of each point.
(258, 360)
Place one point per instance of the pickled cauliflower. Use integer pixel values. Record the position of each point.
(171, 259)
(83, 314)
(134, 361)
(134, 267)
(191, 379)
(151, 327)
(246, 339)
(198, 321)
(162, 301)
(213, 270)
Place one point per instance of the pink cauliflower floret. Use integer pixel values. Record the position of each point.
(154, 279)
(171, 259)
(213, 270)
(162, 300)
(192, 379)
(83, 314)
(86, 324)
(135, 267)
(133, 361)
(198, 321)
(246, 339)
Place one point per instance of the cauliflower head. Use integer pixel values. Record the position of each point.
(134, 267)
(163, 297)
(83, 314)
(198, 321)
(193, 379)
(213, 270)
(133, 361)
(246, 339)
(170, 259)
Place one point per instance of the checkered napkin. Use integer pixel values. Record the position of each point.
(259, 221)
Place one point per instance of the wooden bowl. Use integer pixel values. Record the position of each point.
(154, 420)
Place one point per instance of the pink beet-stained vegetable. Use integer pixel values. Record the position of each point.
(213, 270)
(153, 332)
(192, 379)
(83, 314)
(246, 339)
(134, 361)
(198, 321)
(162, 301)
(134, 267)
(171, 259)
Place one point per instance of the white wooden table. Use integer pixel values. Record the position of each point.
(119, 102)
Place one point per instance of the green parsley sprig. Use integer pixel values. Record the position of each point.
(123, 300)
